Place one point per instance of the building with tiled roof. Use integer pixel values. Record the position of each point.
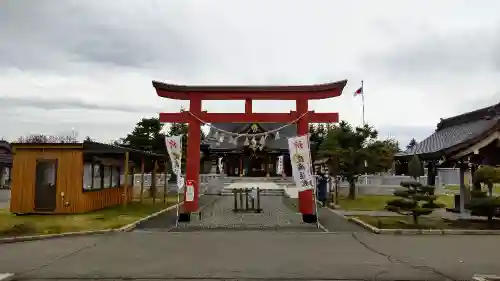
(463, 141)
(460, 137)
(242, 158)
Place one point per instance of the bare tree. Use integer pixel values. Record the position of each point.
(41, 138)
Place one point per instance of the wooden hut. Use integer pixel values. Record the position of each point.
(72, 177)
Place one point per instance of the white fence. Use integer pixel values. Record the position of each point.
(445, 176)
(204, 179)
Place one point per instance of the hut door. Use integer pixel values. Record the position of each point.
(45, 187)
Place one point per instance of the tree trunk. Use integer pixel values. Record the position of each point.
(352, 190)
(415, 219)
(490, 189)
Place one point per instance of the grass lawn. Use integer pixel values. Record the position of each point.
(406, 222)
(496, 188)
(378, 202)
(113, 217)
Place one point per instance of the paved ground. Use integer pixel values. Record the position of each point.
(349, 254)
(275, 216)
(4, 198)
(240, 255)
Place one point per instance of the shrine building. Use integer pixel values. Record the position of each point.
(248, 157)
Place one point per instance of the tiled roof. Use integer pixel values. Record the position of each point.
(6, 159)
(455, 131)
(271, 143)
(5, 153)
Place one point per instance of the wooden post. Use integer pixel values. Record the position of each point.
(241, 166)
(192, 158)
(306, 197)
(153, 182)
(142, 180)
(267, 166)
(125, 181)
(165, 183)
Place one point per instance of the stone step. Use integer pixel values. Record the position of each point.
(278, 192)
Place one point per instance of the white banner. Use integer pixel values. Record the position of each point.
(279, 165)
(300, 156)
(221, 168)
(174, 148)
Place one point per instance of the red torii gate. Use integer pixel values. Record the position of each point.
(195, 95)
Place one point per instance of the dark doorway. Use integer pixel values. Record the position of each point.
(256, 166)
(45, 185)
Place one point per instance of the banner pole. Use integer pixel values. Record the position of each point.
(177, 208)
(311, 168)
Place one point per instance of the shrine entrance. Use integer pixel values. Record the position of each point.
(195, 117)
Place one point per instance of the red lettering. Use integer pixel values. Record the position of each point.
(298, 144)
(172, 143)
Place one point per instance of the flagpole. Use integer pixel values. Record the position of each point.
(363, 101)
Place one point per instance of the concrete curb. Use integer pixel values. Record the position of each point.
(51, 236)
(6, 276)
(479, 277)
(131, 226)
(423, 231)
(338, 214)
(125, 228)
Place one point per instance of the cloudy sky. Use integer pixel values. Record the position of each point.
(87, 65)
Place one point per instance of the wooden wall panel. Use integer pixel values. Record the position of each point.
(69, 179)
(95, 200)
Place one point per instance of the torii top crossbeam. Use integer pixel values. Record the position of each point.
(309, 92)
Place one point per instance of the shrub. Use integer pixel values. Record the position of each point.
(486, 206)
(415, 167)
(417, 200)
(486, 175)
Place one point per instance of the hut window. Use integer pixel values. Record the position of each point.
(107, 176)
(87, 176)
(115, 177)
(97, 177)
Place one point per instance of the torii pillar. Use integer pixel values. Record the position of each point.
(195, 116)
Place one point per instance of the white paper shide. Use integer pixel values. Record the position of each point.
(300, 157)
(221, 166)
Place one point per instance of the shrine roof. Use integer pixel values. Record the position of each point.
(271, 142)
(184, 92)
(457, 132)
(5, 153)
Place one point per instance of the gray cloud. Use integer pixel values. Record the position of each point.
(458, 53)
(91, 57)
(46, 104)
(52, 35)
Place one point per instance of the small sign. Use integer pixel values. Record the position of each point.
(180, 182)
(254, 193)
(189, 190)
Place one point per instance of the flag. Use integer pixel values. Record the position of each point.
(300, 156)
(174, 148)
(359, 91)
